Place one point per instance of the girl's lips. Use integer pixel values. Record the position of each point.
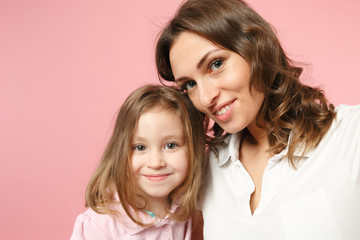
(157, 178)
(224, 113)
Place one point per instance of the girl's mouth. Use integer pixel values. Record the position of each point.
(157, 178)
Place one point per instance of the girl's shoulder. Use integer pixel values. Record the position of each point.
(93, 225)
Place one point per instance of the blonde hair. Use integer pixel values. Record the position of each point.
(113, 175)
(289, 106)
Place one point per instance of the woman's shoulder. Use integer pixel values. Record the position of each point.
(347, 119)
(346, 124)
(347, 112)
(345, 135)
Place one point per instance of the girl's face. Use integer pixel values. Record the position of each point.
(159, 158)
(217, 81)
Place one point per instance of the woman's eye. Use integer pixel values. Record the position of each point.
(215, 65)
(139, 148)
(188, 85)
(170, 146)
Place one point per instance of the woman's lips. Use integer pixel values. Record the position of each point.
(224, 112)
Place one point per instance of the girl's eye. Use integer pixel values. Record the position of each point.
(215, 65)
(188, 85)
(139, 148)
(170, 146)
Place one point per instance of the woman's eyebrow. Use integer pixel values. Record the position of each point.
(202, 60)
(199, 65)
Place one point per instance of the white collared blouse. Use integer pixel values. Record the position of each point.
(318, 200)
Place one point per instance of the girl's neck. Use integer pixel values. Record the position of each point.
(158, 206)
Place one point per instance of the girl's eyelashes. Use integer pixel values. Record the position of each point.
(171, 145)
(168, 146)
(139, 148)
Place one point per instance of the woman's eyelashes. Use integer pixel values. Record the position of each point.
(212, 67)
(215, 65)
(188, 85)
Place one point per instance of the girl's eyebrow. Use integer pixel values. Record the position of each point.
(164, 138)
(139, 139)
(174, 136)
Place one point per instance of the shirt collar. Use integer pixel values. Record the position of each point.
(134, 228)
(229, 150)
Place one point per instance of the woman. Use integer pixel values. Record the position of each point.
(285, 163)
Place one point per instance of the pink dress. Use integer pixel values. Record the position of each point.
(91, 225)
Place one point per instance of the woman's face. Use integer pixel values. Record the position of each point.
(217, 81)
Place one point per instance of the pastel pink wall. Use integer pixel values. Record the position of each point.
(67, 65)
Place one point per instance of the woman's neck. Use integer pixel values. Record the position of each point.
(257, 136)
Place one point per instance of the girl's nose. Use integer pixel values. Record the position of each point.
(208, 93)
(156, 160)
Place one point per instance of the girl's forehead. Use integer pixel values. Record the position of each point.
(161, 107)
(169, 120)
(165, 109)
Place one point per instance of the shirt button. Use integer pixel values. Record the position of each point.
(167, 228)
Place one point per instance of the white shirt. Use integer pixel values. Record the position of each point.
(318, 200)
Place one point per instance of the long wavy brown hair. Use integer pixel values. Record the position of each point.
(113, 176)
(289, 107)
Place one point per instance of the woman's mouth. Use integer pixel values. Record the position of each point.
(224, 112)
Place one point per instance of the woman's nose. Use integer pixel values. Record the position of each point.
(208, 93)
(156, 160)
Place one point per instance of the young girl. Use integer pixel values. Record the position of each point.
(147, 183)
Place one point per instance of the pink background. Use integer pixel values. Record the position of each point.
(67, 65)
